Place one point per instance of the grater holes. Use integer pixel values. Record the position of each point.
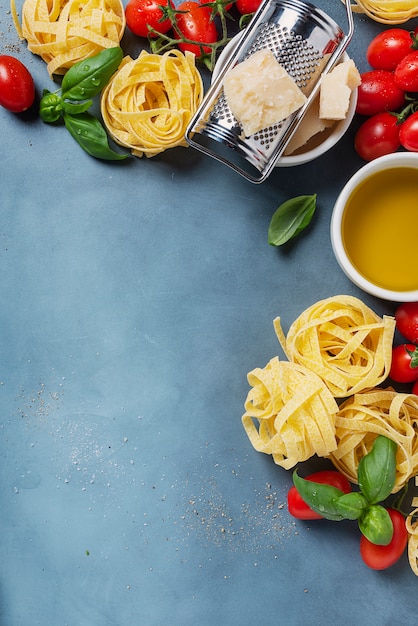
(221, 110)
(267, 135)
(299, 58)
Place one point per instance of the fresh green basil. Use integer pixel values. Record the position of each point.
(87, 78)
(321, 498)
(74, 108)
(80, 84)
(290, 219)
(376, 479)
(376, 525)
(377, 470)
(351, 505)
(51, 107)
(91, 136)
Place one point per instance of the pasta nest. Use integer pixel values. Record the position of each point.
(387, 11)
(361, 418)
(343, 341)
(290, 413)
(149, 102)
(64, 32)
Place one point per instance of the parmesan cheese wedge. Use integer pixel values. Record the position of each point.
(336, 88)
(260, 92)
(310, 126)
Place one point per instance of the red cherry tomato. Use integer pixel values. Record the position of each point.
(298, 507)
(388, 48)
(406, 72)
(404, 368)
(141, 14)
(377, 136)
(406, 316)
(17, 89)
(379, 92)
(245, 7)
(382, 557)
(408, 133)
(196, 24)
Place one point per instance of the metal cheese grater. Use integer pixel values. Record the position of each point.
(307, 43)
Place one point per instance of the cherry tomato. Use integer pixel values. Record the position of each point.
(17, 89)
(196, 24)
(143, 13)
(379, 92)
(298, 507)
(406, 316)
(408, 133)
(415, 388)
(382, 557)
(388, 48)
(377, 136)
(245, 7)
(404, 368)
(406, 72)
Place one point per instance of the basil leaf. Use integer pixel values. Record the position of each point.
(74, 108)
(87, 78)
(51, 107)
(290, 219)
(91, 136)
(351, 505)
(376, 525)
(377, 470)
(319, 497)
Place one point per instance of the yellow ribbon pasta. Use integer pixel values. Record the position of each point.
(377, 412)
(289, 414)
(63, 32)
(343, 341)
(412, 528)
(149, 102)
(387, 11)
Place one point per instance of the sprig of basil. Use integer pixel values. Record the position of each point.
(376, 479)
(290, 219)
(81, 83)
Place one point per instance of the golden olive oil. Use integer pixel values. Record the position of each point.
(380, 229)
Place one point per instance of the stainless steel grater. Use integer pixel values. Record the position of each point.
(307, 43)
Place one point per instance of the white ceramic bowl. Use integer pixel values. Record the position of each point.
(390, 161)
(318, 144)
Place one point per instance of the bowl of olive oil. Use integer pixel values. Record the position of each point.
(374, 227)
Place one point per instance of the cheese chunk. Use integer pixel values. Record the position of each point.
(310, 126)
(260, 92)
(336, 88)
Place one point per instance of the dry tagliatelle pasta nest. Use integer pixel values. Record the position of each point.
(64, 32)
(289, 413)
(149, 102)
(343, 341)
(412, 528)
(361, 418)
(387, 11)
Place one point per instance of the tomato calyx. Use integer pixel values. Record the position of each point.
(414, 357)
(410, 108)
(404, 366)
(414, 40)
(208, 41)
